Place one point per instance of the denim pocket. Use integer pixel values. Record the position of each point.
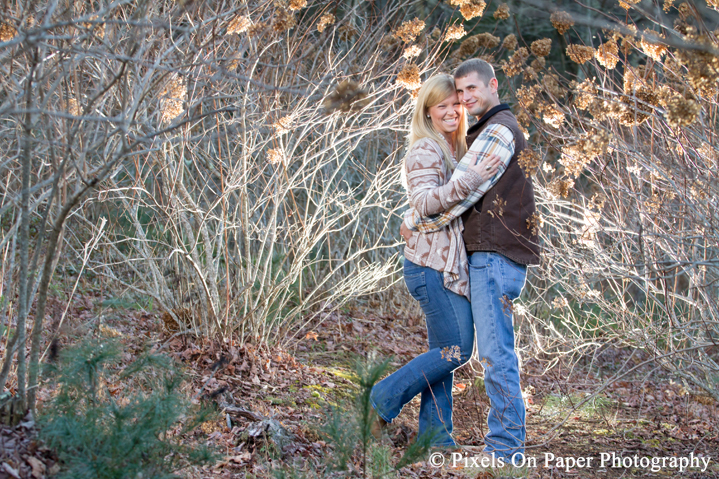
(417, 286)
(513, 278)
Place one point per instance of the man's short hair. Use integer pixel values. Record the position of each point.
(480, 67)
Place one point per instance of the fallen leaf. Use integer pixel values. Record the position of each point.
(13, 472)
(38, 468)
(311, 335)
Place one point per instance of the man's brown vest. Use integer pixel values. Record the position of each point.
(498, 222)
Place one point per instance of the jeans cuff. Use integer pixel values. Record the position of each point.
(376, 409)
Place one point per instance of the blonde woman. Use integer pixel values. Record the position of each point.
(435, 267)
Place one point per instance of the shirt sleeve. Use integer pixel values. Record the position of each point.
(496, 139)
(428, 196)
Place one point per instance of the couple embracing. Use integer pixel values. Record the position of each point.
(468, 244)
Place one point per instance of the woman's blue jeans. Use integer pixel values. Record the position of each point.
(450, 331)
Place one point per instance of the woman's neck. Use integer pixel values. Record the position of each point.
(448, 137)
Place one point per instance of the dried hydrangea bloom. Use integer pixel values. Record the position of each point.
(347, 96)
(516, 62)
(275, 156)
(325, 20)
(239, 24)
(541, 48)
(530, 74)
(553, 116)
(389, 43)
(685, 10)
(656, 51)
(297, 4)
(529, 161)
(487, 40)
(7, 32)
(681, 111)
(173, 97)
(552, 86)
(409, 30)
(702, 67)
(455, 32)
(282, 125)
(283, 21)
(97, 28)
(668, 4)
(346, 32)
(562, 21)
(502, 12)
(411, 51)
(713, 4)
(586, 93)
(580, 54)
(409, 77)
(472, 9)
(510, 42)
(627, 4)
(560, 187)
(608, 54)
(535, 223)
(538, 63)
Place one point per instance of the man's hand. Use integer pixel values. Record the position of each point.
(405, 232)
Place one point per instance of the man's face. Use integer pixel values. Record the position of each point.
(476, 96)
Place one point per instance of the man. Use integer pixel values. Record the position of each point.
(500, 243)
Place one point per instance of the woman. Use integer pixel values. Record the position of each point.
(435, 267)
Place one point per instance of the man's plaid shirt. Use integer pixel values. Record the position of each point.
(497, 140)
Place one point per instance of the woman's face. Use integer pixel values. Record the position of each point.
(445, 114)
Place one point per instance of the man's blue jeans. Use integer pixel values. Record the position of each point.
(495, 281)
(450, 332)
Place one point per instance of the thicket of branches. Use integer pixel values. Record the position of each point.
(238, 162)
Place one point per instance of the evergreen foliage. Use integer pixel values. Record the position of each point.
(101, 436)
(355, 451)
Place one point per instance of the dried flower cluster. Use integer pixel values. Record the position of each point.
(283, 20)
(347, 96)
(516, 62)
(502, 12)
(409, 30)
(680, 111)
(282, 125)
(653, 50)
(560, 187)
(528, 161)
(325, 21)
(576, 157)
(541, 48)
(627, 4)
(608, 54)
(580, 54)
(7, 32)
(409, 77)
(553, 116)
(510, 42)
(173, 97)
(346, 32)
(455, 32)
(585, 94)
(238, 24)
(97, 28)
(275, 156)
(470, 8)
(538, 63)
(411, 51)
(535, 223)
(562, 21)
(297, 4)
(702, 67)
(552, 86)
(470, 45)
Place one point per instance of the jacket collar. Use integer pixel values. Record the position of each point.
(493, 111)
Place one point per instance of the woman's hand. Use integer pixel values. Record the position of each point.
(487, 168)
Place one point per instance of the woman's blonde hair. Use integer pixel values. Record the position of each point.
(434, 91)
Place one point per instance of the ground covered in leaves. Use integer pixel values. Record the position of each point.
(271, 403)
